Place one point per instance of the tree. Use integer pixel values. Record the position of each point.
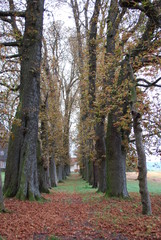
(91, 170)
(58, 83)
(92, 46)
(143, 185)
(143, 48)
(82, 70)
(115, 153)
(43, 153)
(25, 158)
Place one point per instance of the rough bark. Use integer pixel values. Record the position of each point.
(86, 170)
(42, 171)
(66, 132)
(101, 155)
(142, 177)
(116, 161)
(26, 157)
(43, 179)
(44, 176)
(53, 173)
(13, 158)
(30, 99)
(67, 169)
(64, 176)
(115, 152)
(60, 172)
(2, 208)
(136, 116)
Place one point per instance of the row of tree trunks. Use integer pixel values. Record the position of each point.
(62, 172)
(83, 109)
(108, 171)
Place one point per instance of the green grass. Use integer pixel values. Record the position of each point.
(2, 175)
(74, 184)
(77, 184)
(153, 187)
(53, 238)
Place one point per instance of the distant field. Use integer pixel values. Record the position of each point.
(154, 182)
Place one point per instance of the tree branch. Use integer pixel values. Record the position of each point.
(132, 140)
(148, 84)
(11, 56)
(11, 44)
(12, 14)
(10, 88)
(144, 42)
(5, 19)
(151, 9)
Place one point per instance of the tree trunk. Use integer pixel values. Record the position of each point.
(26, 157)
(44, 176)
(92, 47)
(60, 173)
(13, 158)
(53, 173)
(43, 179)
(64, 176)
(30, 99)
(95, 174)
(101, 155)
(86, 170)
(67, 169)
(2, 208)
(90, 173)
(116, 161)
(143, 186)
(115, 151)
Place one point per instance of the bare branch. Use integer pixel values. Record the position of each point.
(11, 44)
(11, 56)
(12, 14)
(151, 9)
(5, 19)
(10, 88)
(132, 140)
(148, 84)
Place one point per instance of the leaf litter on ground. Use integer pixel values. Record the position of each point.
(76, 211)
